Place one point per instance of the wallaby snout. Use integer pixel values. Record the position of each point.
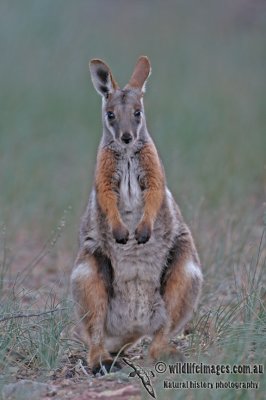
(126, 137)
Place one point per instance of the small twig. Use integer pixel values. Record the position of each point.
(81, 366)
(31, 315)
(118, 354)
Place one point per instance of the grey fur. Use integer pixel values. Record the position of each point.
(136, 305)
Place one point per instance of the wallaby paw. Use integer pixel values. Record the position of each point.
(167, 353)
(121, 234)
(143, 233)
(106, 367)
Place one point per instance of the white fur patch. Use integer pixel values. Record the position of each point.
(81, 271)
(170, 203)
(193, 269)
(130, 193)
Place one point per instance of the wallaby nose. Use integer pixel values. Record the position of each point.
(126, 137)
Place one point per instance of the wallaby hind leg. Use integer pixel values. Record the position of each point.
(180, 289)
(91, 285)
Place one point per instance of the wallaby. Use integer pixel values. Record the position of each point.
(137, 272)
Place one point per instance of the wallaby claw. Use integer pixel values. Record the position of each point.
(143, 233)
(121, 234)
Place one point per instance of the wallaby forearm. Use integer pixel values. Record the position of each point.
(106, 193)
(154, 182)
(105, 186)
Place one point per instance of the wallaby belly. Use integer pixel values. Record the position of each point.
(136, 308)
(137, 305)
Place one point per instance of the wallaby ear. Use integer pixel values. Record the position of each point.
(140, 74)
(102, 78)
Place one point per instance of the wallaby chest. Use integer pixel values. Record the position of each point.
(130, 199)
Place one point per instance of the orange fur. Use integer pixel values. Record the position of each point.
(105, 187)
(179, 296)
(176, 302)
(153, 183)
(176, 298)
(93, 298)
(160, 347)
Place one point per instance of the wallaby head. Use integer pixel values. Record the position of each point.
(122, 109)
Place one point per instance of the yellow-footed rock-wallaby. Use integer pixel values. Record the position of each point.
(137, 272)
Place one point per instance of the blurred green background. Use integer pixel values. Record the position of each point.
(205, 102)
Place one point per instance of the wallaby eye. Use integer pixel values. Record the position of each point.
(137, 113)
(110, 115)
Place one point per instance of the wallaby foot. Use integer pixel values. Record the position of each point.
(165, 352)
(90, 288)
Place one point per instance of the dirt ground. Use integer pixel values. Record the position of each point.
(72, 379)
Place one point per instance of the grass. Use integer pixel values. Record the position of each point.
(34, 342)
(228, 333)
(30, 329)
(205, 106)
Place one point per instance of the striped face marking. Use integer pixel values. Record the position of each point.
(123, 116)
